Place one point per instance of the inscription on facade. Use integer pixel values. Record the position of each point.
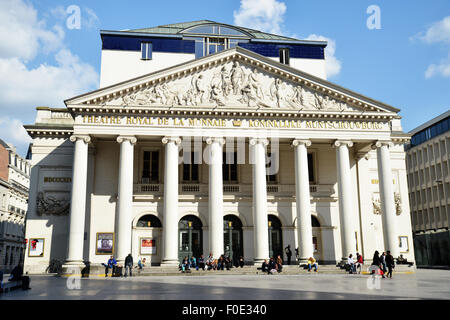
(224, 123)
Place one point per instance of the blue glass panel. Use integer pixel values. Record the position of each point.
(445, 124)
(212, 48)
(198, 49)
(202, 29)
(230, 31)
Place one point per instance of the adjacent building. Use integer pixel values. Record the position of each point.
(211, 138)
(14, 185)
(428, 161)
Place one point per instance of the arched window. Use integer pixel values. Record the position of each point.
(149, 221)
(315, 222)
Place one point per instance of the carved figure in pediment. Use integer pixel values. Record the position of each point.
(201, 89)
(227, 85)
(297, 100)
(216, 90)
(320, 102)
(237, 78)
(252, 94)
(276, 92)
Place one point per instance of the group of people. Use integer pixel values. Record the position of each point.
(355, 266)
(385, 264)
(272, 266)
(223, 262)
(116, 270)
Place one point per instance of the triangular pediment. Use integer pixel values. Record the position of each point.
(231, 79)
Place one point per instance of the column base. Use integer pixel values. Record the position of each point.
(170, 263)
(302, 261)
(73, 267)
(258, 262)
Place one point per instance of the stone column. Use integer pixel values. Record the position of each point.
(215, 202)
(303, 201)
(346, 207)
(78, 200)
(260, 221)
(170, 219)
(125, 197)
(387, 197)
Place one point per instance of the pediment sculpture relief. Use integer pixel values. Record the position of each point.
(233, 85)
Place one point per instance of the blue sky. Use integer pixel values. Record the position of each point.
(406, 63)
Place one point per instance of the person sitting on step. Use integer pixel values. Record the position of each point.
(312, 263)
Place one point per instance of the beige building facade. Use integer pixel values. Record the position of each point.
(233, 153)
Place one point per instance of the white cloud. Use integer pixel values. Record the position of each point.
(13, 132)
(332, 64)
(443, 69)
(23, 87)
(437, 33)
(263, 15)
(23, 34)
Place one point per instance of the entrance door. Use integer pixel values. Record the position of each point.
(233, 244)
(190, 240)
(275, 237)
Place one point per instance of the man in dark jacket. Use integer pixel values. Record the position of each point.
(389, 263)
(288, 253)
(129, 265)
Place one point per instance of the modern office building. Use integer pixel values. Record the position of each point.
(14, 185)
(428, 163)
(211, 138)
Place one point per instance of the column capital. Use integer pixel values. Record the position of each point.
(210, 140)
(381, 143)
(86, 138)
(297, 142)
(339, 143)
(132, 139)
(255, 141)
(168, 139)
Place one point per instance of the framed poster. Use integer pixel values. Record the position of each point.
(147, 246)
(104, 243)
(36, 247)
(403, 244)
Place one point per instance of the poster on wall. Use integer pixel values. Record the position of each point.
(403, 244)
(36, 247)
(105, 243)
(148, 246)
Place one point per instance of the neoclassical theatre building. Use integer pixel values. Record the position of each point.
(205, 137)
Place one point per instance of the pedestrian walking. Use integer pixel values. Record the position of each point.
(128, 265)
(389, 263)
(376, 261)
(359, 262)
(288, 252)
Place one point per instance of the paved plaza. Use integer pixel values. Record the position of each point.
(424, 284)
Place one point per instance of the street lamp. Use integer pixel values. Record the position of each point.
(230, 238)
(270, 239)
(190, 238)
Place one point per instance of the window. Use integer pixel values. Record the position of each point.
(311, 168)
(271, 178)
(146, 50)
(190, 170)
(284, 56)
(229, 167)
(215, 45)
(150, 172)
